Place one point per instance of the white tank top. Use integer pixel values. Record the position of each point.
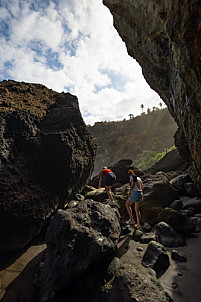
(137, 184)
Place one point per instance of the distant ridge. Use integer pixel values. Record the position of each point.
(144, 139)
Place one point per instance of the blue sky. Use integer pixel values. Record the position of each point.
(72, 46)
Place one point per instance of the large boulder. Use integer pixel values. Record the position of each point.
(46, 153)
(158, 194)
(178, 221)
(167, 236)
(185, 185)
(76, 239)
(197, 222)
(133, 283)
(156, 257)
(188, 202)
(97, 194)
(170, 162)
(165, 38)
(179, 181)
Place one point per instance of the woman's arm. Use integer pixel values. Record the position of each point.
(100, 179)
(131, 187)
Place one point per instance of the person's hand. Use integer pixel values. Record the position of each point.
(129, 194)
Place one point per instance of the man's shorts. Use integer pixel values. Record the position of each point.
(110, 179)
(136, 196)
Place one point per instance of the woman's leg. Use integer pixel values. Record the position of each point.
(129, 209)
(137, 211)
(109, 193)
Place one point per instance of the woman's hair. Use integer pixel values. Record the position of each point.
(130, 171)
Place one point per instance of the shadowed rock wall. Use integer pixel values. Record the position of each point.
(165, 38)
(46, 152)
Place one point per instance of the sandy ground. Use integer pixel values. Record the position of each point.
(189, 282)
(16, 279)
(17, 274)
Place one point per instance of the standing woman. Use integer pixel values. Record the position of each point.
(135, 196)
(109, 181)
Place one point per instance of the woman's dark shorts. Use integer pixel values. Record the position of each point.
(110, 179)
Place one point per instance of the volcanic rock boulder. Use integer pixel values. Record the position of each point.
(158, 194)
(182, 224)
(156, 257)
(165, 38)
(172, 161)
(76, 239)
(46, 152)
(97, 195)
(133, 283)
(167, 236)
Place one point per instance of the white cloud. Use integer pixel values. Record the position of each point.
(73, 44)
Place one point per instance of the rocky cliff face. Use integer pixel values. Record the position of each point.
(165, 38)
(46, 152)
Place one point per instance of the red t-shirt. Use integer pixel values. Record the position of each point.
(105, 171)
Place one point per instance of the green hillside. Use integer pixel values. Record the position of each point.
(142, 139)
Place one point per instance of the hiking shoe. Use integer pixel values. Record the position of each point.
(111, 203)
(130, 221)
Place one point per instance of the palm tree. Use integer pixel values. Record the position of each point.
(148, 110)
(131, 116)
(161, 105)
(142, 107)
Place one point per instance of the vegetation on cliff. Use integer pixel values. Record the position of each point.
(144, 139)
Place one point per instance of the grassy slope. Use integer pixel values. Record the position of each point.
(141, 139)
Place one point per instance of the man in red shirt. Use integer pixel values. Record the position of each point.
(109, 181)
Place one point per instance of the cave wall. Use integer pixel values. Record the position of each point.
(165, 38)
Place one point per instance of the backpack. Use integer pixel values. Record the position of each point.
(134, 177)
(136, 180)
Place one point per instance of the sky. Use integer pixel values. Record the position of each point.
(72, 46)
